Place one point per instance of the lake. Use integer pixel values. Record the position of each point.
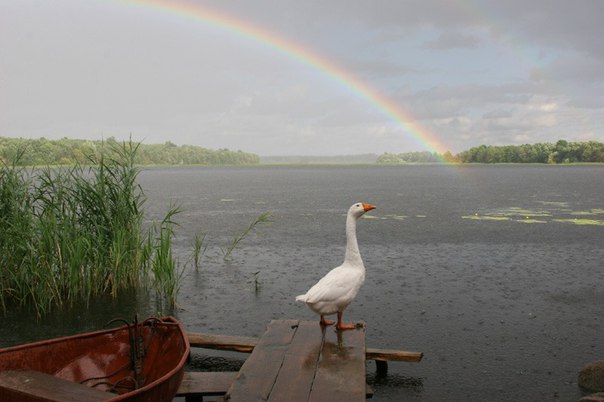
(494, 272)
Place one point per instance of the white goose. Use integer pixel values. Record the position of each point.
(336, 290)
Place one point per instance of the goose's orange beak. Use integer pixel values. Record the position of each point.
(368, 207)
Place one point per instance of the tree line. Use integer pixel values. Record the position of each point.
(410, 157)
(44, 152)
(561, 152)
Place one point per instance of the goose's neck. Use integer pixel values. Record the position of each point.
(353, 255)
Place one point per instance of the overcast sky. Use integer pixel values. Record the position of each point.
(468, 72)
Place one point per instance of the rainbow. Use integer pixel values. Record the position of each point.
(303, 55)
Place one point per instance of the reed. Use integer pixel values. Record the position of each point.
(199, 248)
(261, 219)
(256, 282)
(74, 233)
(164, 268)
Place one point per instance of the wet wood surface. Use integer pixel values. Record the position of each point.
(29, 385)
(301, 361)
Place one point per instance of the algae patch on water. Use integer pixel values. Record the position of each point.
(527, 220)
(591, 212)
(525, 213)
(486, 218)
(386, 217)
(545, 214)
(397, 217)
(593, 222)
(559, 204)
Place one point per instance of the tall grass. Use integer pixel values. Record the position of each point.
(70, 234)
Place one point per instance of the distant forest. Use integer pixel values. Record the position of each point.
(44, 152)
(560, 152)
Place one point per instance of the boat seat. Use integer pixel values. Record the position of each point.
(23, 384)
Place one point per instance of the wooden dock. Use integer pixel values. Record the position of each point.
(300, 361)
(293, 361)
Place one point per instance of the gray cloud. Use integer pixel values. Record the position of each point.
(491, 71)
(453, 40)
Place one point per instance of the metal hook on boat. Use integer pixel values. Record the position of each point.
(137, 347)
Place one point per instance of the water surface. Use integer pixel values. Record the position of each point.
(494, 272)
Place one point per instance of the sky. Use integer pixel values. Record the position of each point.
(313, 77)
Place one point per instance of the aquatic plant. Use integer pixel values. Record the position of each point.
(256, 281)
(166, 278)
(16, 223)
(199, 248)
(74, 233)
(261, 219)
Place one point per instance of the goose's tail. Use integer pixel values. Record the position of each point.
(301, 298)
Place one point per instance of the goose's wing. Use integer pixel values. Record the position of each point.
(335, 286)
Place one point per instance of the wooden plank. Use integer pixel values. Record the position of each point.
(257, 375)
(222, 342)
(393, 355)
(18, 385)
(340, 373)
(247, 344)
(297, 373)
(206, 383)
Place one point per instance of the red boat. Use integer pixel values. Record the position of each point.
(135, 362)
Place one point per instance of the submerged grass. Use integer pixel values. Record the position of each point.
(74, 233)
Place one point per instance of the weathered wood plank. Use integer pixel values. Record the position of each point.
(257, 375)
(393, 355)
(297, 373)
(247, 344)
(222, 342)
(206, 383)
(17, 385)
(341, 368)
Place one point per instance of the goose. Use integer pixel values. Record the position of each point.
(336, 290)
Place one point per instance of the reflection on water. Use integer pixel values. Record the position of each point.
(204, 362)
(21, 325)
(396, 382)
